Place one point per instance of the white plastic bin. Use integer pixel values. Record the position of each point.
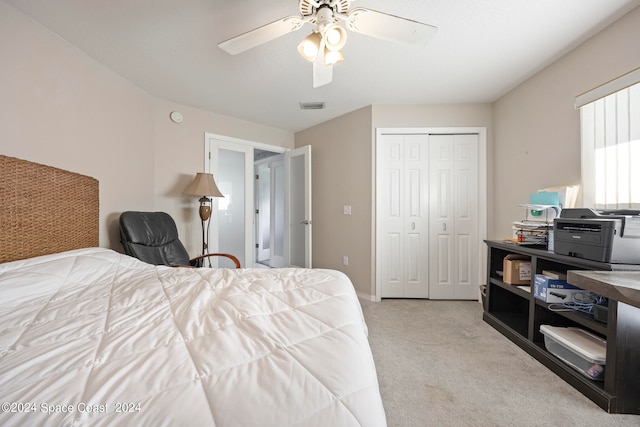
(583, 350)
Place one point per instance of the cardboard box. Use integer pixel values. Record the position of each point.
(554, 274)
(553, 290)
(516, 269)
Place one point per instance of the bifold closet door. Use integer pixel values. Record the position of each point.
(453, 216)
(401, 216)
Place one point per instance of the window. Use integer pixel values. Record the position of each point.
(610, 132)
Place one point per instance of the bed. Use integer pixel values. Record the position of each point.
(90, 336)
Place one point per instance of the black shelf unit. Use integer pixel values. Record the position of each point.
(517, 314)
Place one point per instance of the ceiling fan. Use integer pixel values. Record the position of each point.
(324, 45)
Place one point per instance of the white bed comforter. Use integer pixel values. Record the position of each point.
(93, 337)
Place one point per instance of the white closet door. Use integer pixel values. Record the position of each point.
(453, 216)
(402, 221)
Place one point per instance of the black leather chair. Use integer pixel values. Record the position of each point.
(152, 237)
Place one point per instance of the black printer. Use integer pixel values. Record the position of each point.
(611, 236)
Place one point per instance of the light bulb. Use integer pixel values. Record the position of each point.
(310, 50)
(333, 36)
(332, 57)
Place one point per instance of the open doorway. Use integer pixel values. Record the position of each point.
(236, 229)
(270, 208)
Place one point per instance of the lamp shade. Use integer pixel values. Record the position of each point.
(203, 185)
(335, 37)
(332, 57)
(310, 46)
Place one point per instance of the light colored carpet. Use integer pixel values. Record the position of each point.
(440, 364)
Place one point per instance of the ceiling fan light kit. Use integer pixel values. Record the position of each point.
(335, 37)
(332, 57)
(329, 38)
(310, 46)
(332, 39)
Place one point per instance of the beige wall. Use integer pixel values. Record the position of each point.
(342, 153)
(533, 141)
(537, 129)
(341, 168)
(60, 107)
(179, 154)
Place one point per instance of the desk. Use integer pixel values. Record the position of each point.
(622, 288)
(517, 314)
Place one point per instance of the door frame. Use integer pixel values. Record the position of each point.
(249, 189)
(482, 195)
(259, 214)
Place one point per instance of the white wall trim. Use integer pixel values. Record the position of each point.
(366, 297)
(606, 89)
(259, 145)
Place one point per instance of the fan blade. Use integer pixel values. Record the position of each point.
(322, 74)
(262, 35)
(389, 27)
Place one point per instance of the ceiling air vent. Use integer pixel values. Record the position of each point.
(312, 105)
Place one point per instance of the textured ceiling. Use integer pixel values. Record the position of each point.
(483, 48)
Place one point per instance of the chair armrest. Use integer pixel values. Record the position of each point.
(231, 257)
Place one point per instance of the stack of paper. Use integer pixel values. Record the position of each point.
(544, 206)
(532, 232)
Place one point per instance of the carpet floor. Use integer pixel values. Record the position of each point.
(440, 364)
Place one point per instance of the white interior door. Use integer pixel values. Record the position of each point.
(263, 191)
(277, 252)
(453, 216)
(233, 229)
(232, 167)
(402, 216)
(298, 213)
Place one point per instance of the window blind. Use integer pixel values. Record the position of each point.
(610, 133)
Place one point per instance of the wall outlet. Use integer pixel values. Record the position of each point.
(347, 209)
(345, 260)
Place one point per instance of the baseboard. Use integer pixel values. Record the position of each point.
(366, 297)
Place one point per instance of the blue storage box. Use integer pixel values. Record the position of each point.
(553, 290)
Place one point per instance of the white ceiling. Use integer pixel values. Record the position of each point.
(483, 48)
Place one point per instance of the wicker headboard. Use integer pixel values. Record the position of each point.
(45, 210)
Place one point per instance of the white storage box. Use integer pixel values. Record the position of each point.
(581, 349)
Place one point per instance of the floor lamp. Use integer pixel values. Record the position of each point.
(204, 186)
